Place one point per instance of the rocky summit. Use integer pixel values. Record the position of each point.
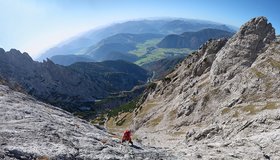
(221, 102)
(30, 129)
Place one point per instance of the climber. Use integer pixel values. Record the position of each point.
(127, 136)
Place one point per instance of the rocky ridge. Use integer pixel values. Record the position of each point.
(30, 129)
(69, 86)
(222, 100)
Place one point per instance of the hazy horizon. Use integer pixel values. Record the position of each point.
(33, 26)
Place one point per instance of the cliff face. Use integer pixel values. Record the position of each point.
(223, 100)
(30, 129)
(242, 50)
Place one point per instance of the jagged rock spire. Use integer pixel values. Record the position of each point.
(242, 49)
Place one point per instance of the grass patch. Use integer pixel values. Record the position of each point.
(125, 121)
(100, 120)
(156, 121)
(274, 63)
(144, 109)
(160, 53)
(225, 111)
(251, 109)
(236, 114)
(173, 114)
(128, 107)
(42, 158)
(145, 47)
(178, 133)
(270, 106)
(122, 120)
(154, 56)
(258, 73)
(119, 124)
(85, 114)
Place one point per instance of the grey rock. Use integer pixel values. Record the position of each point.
(242, 49)
(30, 129)
(208, 132)
(209, 49)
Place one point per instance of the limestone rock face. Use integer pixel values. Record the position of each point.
(209, 51)
(221, 102)
(242, 49)
(30, 129)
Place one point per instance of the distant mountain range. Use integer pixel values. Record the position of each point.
(143, 48)
(67, 60)
(192, 40)
(71, 86)
(81, 44)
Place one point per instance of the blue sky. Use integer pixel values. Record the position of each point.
(35, 25)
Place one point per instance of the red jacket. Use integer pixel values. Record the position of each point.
(126, 135)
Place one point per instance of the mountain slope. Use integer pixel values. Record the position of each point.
(120, 74)
(129, 38)
(106, 51)
(224, 98)
(192, 40)
(118, 46)
(78, 44)
(33, 130)
(139, 48)
(163, 67)
(71, 86)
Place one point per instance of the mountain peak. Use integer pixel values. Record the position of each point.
(242, 49)
(2, 51)
(259, 26)
(17, 53)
